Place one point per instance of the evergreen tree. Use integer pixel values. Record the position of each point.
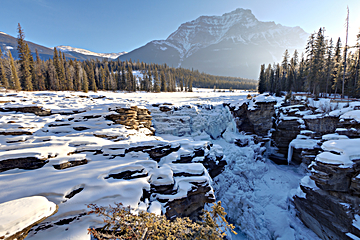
(284, 71)
(53, 81)
(24, 60)
(163, 83)
(123, 78)
(39, 77)
(262, 86)
(78, 76)
(148, 84)
(190, 83)
(3, 79)
(277, 80)
(14, 78)
(157, 85)
(337, 66)
(131, 86)
(85, 82)
(329, 64)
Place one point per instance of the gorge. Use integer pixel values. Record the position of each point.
(174, 153)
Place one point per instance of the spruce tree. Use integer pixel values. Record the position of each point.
(131, 86)
(39, 77)
(15, 82)
(262, 86)
(149, 82)
(24, 60)
(123, 78)
(190, 83)
(3, 79)
(329, 64)
(163, 82)
(337, 66)
(284, 71)
(85, 82)
(157, 85)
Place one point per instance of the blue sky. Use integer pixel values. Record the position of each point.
(118, 25)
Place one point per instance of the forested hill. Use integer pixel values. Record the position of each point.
(327, 67)
(60, 73)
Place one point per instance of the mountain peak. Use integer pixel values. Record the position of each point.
(232, 44)
(239, 11)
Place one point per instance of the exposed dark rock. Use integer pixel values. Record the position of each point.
(128, 174)
(80, 128)
(257, 120)
(165, 108)
(332, 177)
(74, 192)
(193, 204)
(37, 110)
(70, 164)
(16, 133)
(163, 189)
(158, 152)
(322, 125)
(59, 124)
(328, 216)
(22, 163)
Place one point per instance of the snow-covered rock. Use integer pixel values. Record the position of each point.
(19, 215)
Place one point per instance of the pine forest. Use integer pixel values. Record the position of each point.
(30, 73)
(325, 68)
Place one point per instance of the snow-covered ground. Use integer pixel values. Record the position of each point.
(255, 192)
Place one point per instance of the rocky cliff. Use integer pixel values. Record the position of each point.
(316, 133)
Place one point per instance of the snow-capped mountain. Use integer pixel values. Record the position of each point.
(234, 44)
(71, 50)
(8, 42)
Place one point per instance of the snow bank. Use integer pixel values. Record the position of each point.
(346, 151)
(18, 214)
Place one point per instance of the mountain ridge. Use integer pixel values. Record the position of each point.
(234, 31)
(8, 42)
(70, 49)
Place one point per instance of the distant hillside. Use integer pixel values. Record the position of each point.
(8, 42)
(81, 52)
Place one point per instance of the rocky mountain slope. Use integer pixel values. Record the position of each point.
(234, 44)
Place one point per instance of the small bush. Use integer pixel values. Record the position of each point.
(120, 223)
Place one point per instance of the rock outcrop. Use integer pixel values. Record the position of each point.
(256, 119)
(329, 201)
(133, 117)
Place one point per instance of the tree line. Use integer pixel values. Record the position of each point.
(30, 73)
(325, 68)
